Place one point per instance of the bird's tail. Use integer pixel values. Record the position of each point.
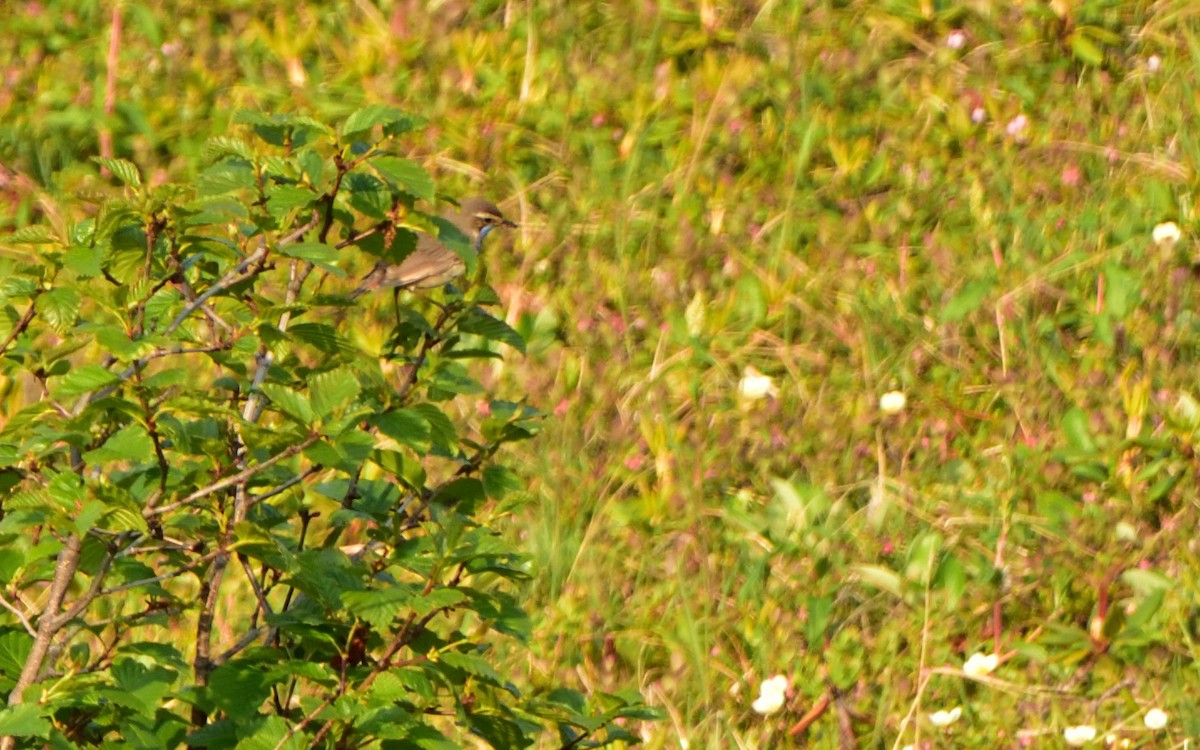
(369, 282)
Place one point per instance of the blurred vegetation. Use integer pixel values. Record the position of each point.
(953, 200)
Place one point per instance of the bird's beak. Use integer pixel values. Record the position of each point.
(508, 223)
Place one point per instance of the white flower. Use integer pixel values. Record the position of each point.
(772, 694)
(1155, 719)
(1153, 63)
(945, 718)
(1080, 735)
(981, 664)
(1166, 233)
(893, 402)
(956, 39)
(754, 385)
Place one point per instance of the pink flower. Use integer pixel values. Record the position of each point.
(1016, 126)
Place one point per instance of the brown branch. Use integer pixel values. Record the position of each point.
(21, 325)
(427, 343)
(233, 479)
(210, 588)
(49, 624)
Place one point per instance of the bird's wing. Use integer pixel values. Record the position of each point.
(430, 265)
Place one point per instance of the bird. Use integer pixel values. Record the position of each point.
(432, 263)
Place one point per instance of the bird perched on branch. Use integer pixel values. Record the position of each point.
(432, 263)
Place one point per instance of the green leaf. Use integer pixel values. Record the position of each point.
(34, 234)
(83, 260)
(15, 646)
(294, 404)
(471, 664)
(406, 426)
(1146, 582)
(442, 598)
(322, 256)
(281, 199)
(226, 177)
(1079, 434)
(322, 336)
(1147, 609)
(480, 323)
(60, 308)
(393, 120)
(272, 733)
(499, 481)
(24, 720)
(125, 171)
(378, 607)
(1085, 50)
(223, 145)
(332, 390)
(497, 729)
(966, 301)
(453, 238)
(130, 443)
(880, 577)
(441, 429)
(84, 379)
(239, 687)
(407, 174)
(368, 195)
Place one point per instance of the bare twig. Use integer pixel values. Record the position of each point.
(20, 327)
(48, 624)
(233, 479)
(19, 615)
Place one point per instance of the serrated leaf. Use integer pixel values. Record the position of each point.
(294, 404)
(442, 598)
(59, 308)
(226, 177)
(394, 121)
(406, 426)
(322, 336)
(322, 256)
(23, 720)
(125, 171)
(452, 237)
(332, 390)
(83, 379)
(131, 443)
(378, 607)
(368, 194)
(282, 199)
(14, 650)
(224, 145)
(471, 663)
(481, 324)
(499, 481)
(441, 429)
(35, 234)
(124, 519)
(83, 260)
(407, 174)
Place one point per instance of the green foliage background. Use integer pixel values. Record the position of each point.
(828, 192)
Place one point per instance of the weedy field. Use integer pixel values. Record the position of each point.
(866, 332)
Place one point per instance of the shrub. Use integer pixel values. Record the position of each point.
(225, 522)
